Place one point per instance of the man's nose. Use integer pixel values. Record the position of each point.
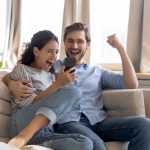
(75, 45)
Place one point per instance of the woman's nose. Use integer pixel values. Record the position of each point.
(53, 56)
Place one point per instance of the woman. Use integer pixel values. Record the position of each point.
(53, 97)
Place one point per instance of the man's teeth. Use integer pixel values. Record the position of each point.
(74, 52)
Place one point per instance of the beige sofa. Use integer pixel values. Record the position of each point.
(123, 103)
(117, 103)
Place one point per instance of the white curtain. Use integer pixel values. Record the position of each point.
(138, 43)
(75, 11)
(12, 33)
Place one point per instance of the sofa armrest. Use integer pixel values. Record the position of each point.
(126, 102)
(146, 94)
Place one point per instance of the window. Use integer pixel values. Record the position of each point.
(107, 17)
(3, 27)
(41, 15)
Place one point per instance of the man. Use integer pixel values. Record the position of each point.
(87, 117)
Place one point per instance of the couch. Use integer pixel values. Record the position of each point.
(127, 102)
(117, 103)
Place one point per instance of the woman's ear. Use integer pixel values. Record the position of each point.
(36, 51)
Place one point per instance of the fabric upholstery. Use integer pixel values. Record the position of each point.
(5, 110)
(127, 102)
(146, 93)
(4, 94)
(117, 103)
(4, 146)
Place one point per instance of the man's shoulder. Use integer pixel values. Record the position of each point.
(97, 67)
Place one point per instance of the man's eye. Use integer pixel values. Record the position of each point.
(80, 42)
(70, 41)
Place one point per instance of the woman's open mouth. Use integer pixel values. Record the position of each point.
(49, 64)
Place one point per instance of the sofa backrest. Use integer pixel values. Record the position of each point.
(124, 102)
(146, 93)
(5, 110)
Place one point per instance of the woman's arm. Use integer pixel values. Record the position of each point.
(63, 78)
(21, 91)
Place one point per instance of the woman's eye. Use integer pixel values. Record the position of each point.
(49, 51)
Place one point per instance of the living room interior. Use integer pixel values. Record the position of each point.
(129, 19)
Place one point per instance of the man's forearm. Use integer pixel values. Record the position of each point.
(128, 71)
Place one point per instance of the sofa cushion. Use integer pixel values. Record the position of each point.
(4, 126)
(3, 139)
(126, 102)
(5, 110)
(5, 93)
(5, 107)
(146, 93)
(4, 146)
(35, 147)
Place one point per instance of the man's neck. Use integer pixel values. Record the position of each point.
(82, 61)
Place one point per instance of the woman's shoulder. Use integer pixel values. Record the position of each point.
(19, 67)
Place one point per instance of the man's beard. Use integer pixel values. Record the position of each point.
(80, 56)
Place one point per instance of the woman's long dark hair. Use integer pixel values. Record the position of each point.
(39, 40)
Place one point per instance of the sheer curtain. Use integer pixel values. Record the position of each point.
(20, 19)
(12, 37)
(40, 15)
(108, 17)
(75, 11)
(3, 11)
(139, 35)
(102, 17)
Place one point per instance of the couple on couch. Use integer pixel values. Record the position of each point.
(70, 101)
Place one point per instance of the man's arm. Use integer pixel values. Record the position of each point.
(18, 88)
(127, 67)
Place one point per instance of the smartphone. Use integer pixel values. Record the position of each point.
(69, 62)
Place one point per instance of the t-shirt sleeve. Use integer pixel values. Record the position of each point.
(111, 79)
(19, 73)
